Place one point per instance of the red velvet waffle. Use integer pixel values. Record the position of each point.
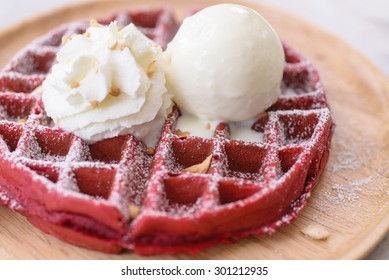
(113, 194)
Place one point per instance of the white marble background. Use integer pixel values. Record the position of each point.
(364, 24)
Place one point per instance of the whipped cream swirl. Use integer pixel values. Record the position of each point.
(107, 82)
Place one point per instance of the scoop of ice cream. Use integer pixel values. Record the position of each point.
(225, 63)
(108, 81)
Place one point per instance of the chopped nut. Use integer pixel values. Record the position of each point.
(96, 65)
(87, 34)
(22, 120)
(133, 210)
(38, 91)
(201, 168)
(93, 23)
(66, 39)
(182, 133)
(74, 84)
(316, 232)
(115, 91)
(123, 47)
(152, 67)
(120, 28)
(94, 104)
(150, 151)
(208, 126)
(113, 45)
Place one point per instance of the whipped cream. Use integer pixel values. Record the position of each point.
(107, 82)
(225, 63)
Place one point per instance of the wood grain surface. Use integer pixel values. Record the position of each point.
(352, 199)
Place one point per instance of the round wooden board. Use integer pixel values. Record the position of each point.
(352, 199)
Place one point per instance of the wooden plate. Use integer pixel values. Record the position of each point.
(352, 199)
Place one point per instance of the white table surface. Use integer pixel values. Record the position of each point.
(364, 24)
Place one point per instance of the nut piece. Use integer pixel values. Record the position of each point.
(65, 39)
(123, 47)
(113, 45)
(93, 23)
(133, 210)
(207, 125)
(22, 120)
(150, 151)
(96, 65)
(182, 133)
(74, 84)
(115, 91)
(200, 168)
(94, 104)
(152, 67)
(37, 92)
(316, 232)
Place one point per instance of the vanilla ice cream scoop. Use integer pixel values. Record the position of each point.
(225, 63)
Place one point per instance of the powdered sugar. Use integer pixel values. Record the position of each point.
(349, 192)
(358, 182)
(9, 202)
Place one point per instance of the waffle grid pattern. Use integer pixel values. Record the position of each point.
(248, 184)
(81, 193)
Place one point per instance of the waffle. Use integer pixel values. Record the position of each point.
(118, 194)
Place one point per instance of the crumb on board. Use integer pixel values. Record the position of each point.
(316, 232)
